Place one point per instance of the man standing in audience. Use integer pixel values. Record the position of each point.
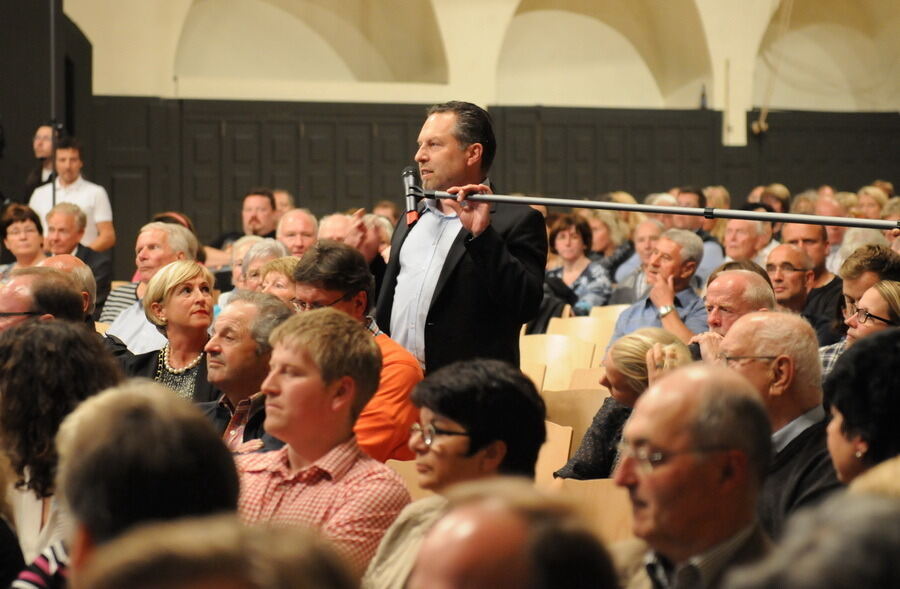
(462, 279)
(99, 234)
(790, 270)
(157, 244)
(778, 354)
(825, 298)
(297, 230)
(335, 275)
(237, 362)
(671, 303)
(744, 239)
(712, 250)
(731, 295)
(65, 229)
(693, 480)
(861, 270)
(324, 369)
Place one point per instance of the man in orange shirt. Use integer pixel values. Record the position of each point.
(332, 274)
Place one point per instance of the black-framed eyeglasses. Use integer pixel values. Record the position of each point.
(307, 306)
(730, 360)
(862, 315)
(648, 459)
(429, 432)
(20, 314)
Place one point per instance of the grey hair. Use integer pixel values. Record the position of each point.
(251, 239)
(857, 237)
(71, 209)
(267, 248)
(690, 242)
(270, 313)
(793, 336)
(85, 277)
(381, 224)
(757, 293)
(849, 541)
(181, 239)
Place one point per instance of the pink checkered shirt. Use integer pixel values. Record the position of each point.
(350, 498)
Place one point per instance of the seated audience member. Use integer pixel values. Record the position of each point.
(478, 419)
(744, 240)
(777, 196)
(361, 232)
(778, 354)
(277, 278)
(323, 371)
(627, 376)
(691, 197)
(717, 197)
(662, 199)
(157, 244)
(730, 294)
(865, 408)
(857, 237)
(860, 271)
(871, 200)
(609, 242)
(848, 542)
(504, 534)
(65, 228)
(694, 456)
(824, 299)
(49, 367)
(828, 206)
(633, 285)
(670, 303)
(333, 274)
(182, 219)
(215, 551)
(131, 455)
(43, 293)
(790, 270)
(387, 209)
(258, 217)
(284, 201)
(178, 303)
(237, 362)
(22, 235)
(588, 281)
(297, 231)
(238, 250)
(876, 310)
(84, 278)
(256, 257)
(11, 563)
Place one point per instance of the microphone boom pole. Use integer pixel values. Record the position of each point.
(708, 212)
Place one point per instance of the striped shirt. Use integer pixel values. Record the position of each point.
(350, 498)
(119, 299)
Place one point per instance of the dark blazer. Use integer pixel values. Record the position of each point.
(101, 265)
(220, 416)
(488, 287)
(146, 364)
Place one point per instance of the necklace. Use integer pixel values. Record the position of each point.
(168, 367)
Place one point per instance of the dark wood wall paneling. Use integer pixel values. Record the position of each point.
(202, 156)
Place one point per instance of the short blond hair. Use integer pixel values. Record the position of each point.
(285, 265)
(629, 355)
(164, 282)
(876, 193)
(339, 345)
(71, 209)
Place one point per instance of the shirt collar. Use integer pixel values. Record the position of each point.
(333, 465)
(702, 568)
(788, 433)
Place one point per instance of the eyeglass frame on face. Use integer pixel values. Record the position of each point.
(6, 314)
(429, 432)
(862, 316)
(648, 460)
(727, 360)
(306, 306)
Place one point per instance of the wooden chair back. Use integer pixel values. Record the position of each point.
(554, 453)
(536, 373)
(561, 355)
(574, 408)
(605, 507)
(590, 329)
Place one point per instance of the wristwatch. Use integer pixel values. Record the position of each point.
(665, 310)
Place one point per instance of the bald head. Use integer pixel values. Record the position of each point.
(733, 294)
(791, 271)
(297, 230)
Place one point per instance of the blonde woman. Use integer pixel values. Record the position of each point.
(609, 239)
(632, 363)
(871, 200)
(277, 278)
(179, 302)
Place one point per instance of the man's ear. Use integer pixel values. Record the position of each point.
(360, 302)
(492, 456)
(474, 152)
(688, 268)
(734, 470)
(344, 393)
(782, 375)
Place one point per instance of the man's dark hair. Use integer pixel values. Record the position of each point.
(270, 313)
(69, 142)
(473, 125)
(333, 265)
(879, 259)
(262, 191)
(136, 454)
(53, 292)
(494, 401)
(701, 198)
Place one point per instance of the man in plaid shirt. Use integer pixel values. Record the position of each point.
(324, 369)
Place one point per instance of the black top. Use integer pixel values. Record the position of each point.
(596, 456)
(146, 365)
(822, 311)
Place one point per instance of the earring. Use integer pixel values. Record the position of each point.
(859, 454)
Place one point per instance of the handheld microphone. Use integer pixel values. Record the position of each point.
(409, 177)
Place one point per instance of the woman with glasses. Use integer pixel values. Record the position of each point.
(277, 278)
(876, 310)
(631, 363)
(477, 418)
(179, 303)
(23, 237)
(865, 408)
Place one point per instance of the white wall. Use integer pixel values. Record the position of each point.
(836, 55)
